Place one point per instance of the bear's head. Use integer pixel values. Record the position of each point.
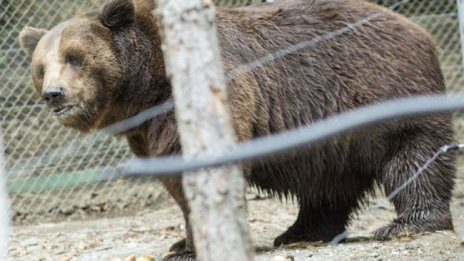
(86, 68)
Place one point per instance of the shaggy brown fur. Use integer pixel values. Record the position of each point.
(110, 66)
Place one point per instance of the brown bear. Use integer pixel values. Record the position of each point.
(105, 66)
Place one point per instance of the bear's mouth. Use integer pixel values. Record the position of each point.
(63, 111)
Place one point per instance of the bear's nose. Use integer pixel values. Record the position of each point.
(53, 95)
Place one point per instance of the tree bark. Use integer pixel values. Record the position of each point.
(216, 196)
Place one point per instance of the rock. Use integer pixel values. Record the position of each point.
(130, 258)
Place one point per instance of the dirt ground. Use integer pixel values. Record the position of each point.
(151, 232)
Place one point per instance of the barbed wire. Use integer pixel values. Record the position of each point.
(291, 139)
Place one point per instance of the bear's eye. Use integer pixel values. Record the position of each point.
(72, 59)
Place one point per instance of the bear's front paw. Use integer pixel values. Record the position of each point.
(287, 238)
(179, 256)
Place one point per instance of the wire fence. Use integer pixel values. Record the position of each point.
(52, 170)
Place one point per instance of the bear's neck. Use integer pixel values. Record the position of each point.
(145, 83)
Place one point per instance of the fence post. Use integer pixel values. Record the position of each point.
(460, 4)
(216, 196)
(4, 217)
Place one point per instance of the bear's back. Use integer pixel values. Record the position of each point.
(317, 58)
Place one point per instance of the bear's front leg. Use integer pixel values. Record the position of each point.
(184, 249)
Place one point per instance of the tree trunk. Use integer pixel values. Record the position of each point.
(216, 196)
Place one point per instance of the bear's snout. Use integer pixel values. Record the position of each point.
(53, 96)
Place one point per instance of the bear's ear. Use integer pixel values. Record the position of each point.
(116, 14)
(29, 37)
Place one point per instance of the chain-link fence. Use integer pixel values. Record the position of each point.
(52, 170)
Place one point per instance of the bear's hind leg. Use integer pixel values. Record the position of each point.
(423, 205)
